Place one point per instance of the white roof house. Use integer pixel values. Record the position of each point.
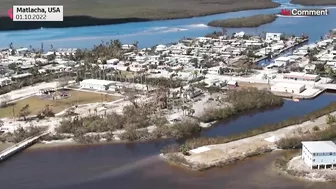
(281, 61)
(273, 37)
(96, 84)
(319, 154)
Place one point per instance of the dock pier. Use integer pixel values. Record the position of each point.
(283, 51)
(20, 146)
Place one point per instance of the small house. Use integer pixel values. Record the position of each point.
(273, 37)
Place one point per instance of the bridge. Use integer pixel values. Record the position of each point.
(326, 86)
(20, 146)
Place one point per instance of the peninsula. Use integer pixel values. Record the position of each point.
(244, 22)
(88, 13)
(313, 3)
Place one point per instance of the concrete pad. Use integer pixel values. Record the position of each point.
(200, 150)
(271, 139)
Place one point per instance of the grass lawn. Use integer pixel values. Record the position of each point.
(36, 103)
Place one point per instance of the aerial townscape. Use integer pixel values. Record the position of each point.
(255, 105)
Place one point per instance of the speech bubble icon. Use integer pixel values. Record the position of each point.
(10, 13)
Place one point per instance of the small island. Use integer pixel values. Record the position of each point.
(313, 2)
(244, 22)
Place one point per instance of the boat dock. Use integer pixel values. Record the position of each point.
(20, 146)
(283, 51)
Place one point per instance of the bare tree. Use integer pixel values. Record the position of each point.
(24, 112)
(62, 82)
(131, 95)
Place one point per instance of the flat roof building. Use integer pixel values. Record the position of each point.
(288, 88)
(319, 154)
(96, 84)
(297, 76)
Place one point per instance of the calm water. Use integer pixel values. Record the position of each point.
(288, 110)
(127, 166)
(112, 166)
(161, 32)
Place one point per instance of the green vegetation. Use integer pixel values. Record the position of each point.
(326, 134)
(134, 120)
(114, 12)
(244, 22)
(313, 2)
(203, 141)
(21, 134)
(242, 101)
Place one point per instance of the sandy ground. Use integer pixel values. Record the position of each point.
(254, 85)
(240, 149)
(301, 170)
(28, 91)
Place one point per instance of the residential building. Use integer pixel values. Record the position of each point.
(319, 154)
(281, 61)
(273, 37)
(297, 76)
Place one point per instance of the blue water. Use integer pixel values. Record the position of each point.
(290, 109)
(162, 32)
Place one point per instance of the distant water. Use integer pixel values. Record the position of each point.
(161, 32)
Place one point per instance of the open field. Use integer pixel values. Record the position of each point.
(36, 103)
(313, 2)
(121, 11)
(254, 85)
(244, 22)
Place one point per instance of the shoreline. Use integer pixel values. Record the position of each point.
(244, 22)
(293, 167)
(217, 155)
(85, 21)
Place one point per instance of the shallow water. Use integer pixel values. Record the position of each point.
(112, 166)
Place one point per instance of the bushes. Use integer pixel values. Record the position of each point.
(330, 119)
(133, 118)
(295, 142)
(21, 134)
(242, 101)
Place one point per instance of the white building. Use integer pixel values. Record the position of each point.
(288, 88)
(281, 61)
(298, 76)
(319, 154)
(95, 84)
(273, 37)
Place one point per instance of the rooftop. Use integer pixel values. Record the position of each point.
(320, 146)
(97, 82)
(289, 85)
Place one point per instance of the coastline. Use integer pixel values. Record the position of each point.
(244, 22)
(293, 167)
(85, 20)
(217, 155)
